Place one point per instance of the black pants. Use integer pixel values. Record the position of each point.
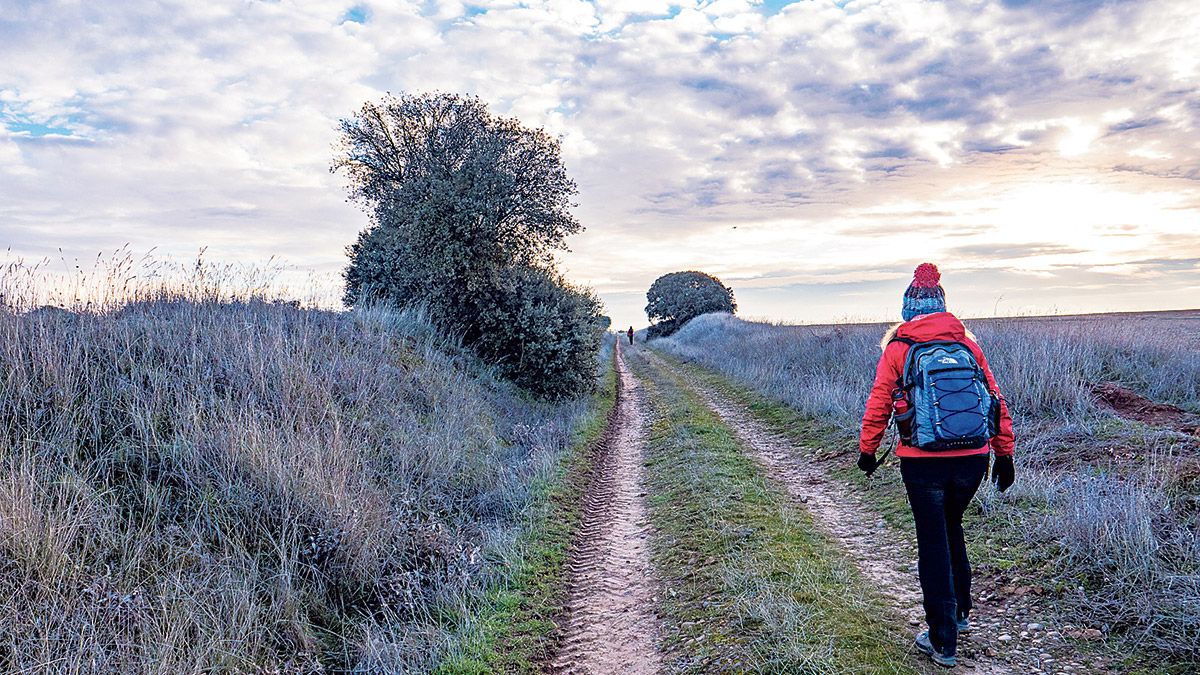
(939, 490)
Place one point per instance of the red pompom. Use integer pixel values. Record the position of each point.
(926, 276)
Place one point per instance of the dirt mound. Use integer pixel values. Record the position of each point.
(1133, 406)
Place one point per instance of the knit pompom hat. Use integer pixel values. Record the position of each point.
(924, 294)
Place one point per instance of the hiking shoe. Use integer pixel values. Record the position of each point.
(964, 625)
(923, 644)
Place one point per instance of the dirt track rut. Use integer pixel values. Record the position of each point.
(610, 624)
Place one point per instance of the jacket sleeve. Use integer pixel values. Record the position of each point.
(1004, 440)
(879, 401)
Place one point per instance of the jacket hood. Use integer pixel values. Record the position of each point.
(939, 326)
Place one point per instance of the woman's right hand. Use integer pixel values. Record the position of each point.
(1003, 473)
(867, 463)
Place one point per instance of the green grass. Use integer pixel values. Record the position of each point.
(995, 542)
(515, 630)
(884, 493)
(749, 583)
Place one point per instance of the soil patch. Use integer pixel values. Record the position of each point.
(1132, 406)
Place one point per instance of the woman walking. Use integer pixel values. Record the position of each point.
(934, 381)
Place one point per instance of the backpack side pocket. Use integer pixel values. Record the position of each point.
(904, 425)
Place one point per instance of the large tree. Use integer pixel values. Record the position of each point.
(465, 207)
(676, 298)
(457, 194)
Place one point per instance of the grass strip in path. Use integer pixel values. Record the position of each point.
(997, 549)
(517, 628)
(750, 584)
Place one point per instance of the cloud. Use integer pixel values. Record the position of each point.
(1011, 251)
(863, 135)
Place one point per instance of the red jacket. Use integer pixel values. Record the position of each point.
(940, 326)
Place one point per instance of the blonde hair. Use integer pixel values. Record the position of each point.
(891, 333)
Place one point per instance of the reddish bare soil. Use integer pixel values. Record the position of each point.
(1010, 636)
(610, 625)
(1132, 406)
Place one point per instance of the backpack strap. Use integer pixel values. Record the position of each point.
(900, 383)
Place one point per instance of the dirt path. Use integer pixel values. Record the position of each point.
(611, 626)
(1002, 642)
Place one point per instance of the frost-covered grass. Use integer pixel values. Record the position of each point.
(1045, 368)
(199, 481)
(750, 583)
(1106, 506)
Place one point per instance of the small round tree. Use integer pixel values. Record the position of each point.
(676, 298)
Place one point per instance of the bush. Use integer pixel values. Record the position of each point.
(676, 298)
(541, 332)
(663, 328)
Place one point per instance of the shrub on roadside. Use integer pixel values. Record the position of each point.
(541, 332)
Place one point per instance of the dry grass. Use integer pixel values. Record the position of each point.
(1108, 506)
(198, 480)
(750, 583)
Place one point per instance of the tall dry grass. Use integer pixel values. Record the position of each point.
(1120, 528)
(193, 479)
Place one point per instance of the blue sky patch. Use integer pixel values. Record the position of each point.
(772, 7)
(37, 129)
(357, 14)
(25, 125)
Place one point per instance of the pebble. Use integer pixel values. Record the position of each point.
(1005, 638)
(1034, 626)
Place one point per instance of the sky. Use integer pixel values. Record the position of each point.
(1046, 155)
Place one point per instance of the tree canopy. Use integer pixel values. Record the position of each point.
(457, 195)
(468, 210)
(676, 298)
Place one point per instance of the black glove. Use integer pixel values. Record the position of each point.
(1002, 472)
(867, 463)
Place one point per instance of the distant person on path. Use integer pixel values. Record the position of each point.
(630, 334)
(934, 381)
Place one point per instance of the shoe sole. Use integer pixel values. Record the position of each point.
(934, 657)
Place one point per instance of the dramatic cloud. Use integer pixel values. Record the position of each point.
(809, 153)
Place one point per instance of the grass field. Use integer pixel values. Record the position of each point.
(517, 624)
(1104, 512)
(192, 483)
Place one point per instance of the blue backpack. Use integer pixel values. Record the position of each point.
(950, 406)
